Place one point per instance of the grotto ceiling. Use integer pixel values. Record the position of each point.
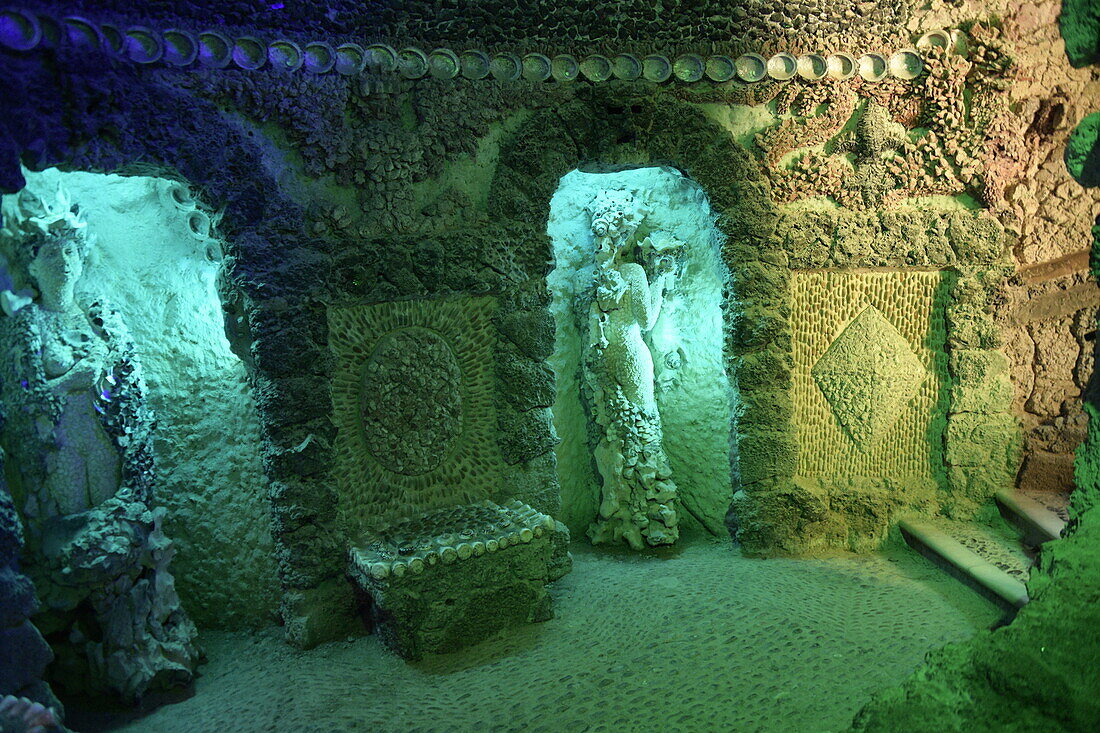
(909, 318)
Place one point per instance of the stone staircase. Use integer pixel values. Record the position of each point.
(992, 558)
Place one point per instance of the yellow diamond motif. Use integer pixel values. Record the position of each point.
(868, 375)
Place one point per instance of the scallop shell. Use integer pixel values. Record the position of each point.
(379, 570)
(143, 45)
(596, 68)
(812, 66)
(351, 59)
(175, 194)
(689, 67)
(381, 57)
(564, 67)
(79, 32)
(959, 43)
(215, 50)
(751, 67)
(113, 40)
(285, 55)
(506, 67)
(181, 48)
(19, 30)
(198, 223)
(626, 66)
(536, 67)
(782, 66)
(873, 66)
(657, 68)
(720, 68)
(475, 64)
(841, 66)
(906, 64)
(249, 53)
(318, 57)
(934, 39)
(212, 251)
(443, 64)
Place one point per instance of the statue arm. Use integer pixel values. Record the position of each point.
(645, 297)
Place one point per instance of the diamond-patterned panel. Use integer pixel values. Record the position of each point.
(868, 375)
(856, 426)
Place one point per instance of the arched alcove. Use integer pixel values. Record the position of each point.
(693, 394)
(150, 267)
(612, 133)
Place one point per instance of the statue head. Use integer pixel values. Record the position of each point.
(58, 263)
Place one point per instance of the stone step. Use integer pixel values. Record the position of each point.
(1037, 523)
(980, 574)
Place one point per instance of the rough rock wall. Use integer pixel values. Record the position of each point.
(388, 197)
(1050, 313)
(634, 24)
(24, 654)
(1038, 672)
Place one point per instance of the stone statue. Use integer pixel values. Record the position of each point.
(79, 436)
(638, 497)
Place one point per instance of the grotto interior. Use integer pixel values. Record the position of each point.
(628, 366)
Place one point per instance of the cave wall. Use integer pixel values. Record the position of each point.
(341, 195)
(1037, 672)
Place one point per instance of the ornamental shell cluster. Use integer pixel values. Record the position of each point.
(24, 31)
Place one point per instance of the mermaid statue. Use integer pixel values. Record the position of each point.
(638, 501)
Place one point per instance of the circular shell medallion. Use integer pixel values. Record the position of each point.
(411, 400)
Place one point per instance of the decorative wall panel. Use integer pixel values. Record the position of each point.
(869, 379)
(413, 405)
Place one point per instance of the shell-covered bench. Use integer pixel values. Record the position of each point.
(452, 577)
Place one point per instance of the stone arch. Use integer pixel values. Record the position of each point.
(656, 130)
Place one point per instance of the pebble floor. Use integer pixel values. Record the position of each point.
(694, 639)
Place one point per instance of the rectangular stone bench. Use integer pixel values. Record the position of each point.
(452, 577)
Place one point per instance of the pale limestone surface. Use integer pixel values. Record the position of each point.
(161, 277)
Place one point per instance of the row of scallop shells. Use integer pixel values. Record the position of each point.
(21, 30)
(444, 63)
(446, 553)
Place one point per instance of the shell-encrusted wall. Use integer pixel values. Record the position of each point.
(869, 373)
(412, 397)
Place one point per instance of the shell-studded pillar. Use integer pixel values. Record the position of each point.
(638, 501)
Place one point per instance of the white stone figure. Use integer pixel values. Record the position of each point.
(80, 438)
(638, 497)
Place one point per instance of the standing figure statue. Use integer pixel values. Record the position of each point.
(638, 497)
(79, 438)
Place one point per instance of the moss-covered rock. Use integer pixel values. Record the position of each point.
(981, 381)
(766, 453)
(1080, 24)
(525, 435)
(786, 516)
(1038, 673)
(1083, 151)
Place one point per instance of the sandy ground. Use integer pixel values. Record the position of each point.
(696, 639)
